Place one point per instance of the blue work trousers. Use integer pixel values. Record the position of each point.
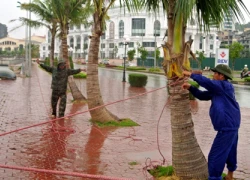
(223, 151)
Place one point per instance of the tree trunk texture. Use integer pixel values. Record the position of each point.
(76, 93)
(93, 88)
(52, 48)
(188, 159)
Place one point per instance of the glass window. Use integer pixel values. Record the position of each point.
(131, 44)
(121, 29)
(72, 42)
(211, 46)
(138, 26)
(111, 45)
(148, 44)
(157, 28)
(112, 30)
(78, 43)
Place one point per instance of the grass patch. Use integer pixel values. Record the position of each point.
(121, 123)
(133, 163)
(154, 70)
(160, 171)
(135, 68)
(80, 75)
(166, 173)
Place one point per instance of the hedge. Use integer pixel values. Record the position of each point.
(138, 80)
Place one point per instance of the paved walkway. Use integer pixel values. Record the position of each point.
(90, 150)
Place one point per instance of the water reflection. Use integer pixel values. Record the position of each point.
(156, 81)
(242, 95)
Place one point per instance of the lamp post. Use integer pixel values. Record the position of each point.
(126, 41)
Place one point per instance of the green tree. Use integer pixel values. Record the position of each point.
(157, 55)
(131, 55)
(187, 158)
(201, 57)
(143, 53)
(46, 18)
(235, 50)
(66, 13)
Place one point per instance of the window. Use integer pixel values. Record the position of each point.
(111, 54)
(111, 45)
(200, 45)
(49, 37)
(78, 27)
(102, 45)
(103, 36)
(121, 29)
(211, 46)
(138, 27)
(78, 43)
(44, 48)
(71, 27)
(131, 44)
(120, 44)
(112, 30)
(148, 44)
(157, 28)
(72, 42)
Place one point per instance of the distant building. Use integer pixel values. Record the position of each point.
(13, 44)
(141, 28)
(3, 31)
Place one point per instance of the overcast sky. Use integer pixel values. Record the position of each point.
(9, 11)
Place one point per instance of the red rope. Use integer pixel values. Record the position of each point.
(75, 174)
(74, 114)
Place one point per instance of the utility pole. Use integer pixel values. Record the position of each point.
(29, 66)
(155, 41)
(26, 48)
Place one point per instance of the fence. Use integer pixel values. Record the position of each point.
(209, 62)
(11, 61)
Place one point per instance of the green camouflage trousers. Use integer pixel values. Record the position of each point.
(54, 100)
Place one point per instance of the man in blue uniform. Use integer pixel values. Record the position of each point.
(59, 85)
(225, 117)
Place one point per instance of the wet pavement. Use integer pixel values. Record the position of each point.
(75, 146)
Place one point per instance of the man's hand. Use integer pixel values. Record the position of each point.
(197, 72)
(186, 73)
(37, 61)
(186, 86)
(83, 70)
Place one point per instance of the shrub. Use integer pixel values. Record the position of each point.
(80, 75)
(247, 79)
(46, 61)
(138, 80)
(154, 69)
(135, 68)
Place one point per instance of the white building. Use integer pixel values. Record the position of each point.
(139, 28)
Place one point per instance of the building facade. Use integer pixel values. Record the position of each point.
(143, 28)
(3, 31)
(13, 44)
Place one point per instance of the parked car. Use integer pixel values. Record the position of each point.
(6, 73)
(105, 61)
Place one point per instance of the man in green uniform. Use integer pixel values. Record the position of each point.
(59, 85)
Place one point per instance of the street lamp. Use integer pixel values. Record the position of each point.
(126, 42)
(70, 51)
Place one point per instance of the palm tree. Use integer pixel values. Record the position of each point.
(188, 159)
(42, 9)
(70, 12)
(93, 89)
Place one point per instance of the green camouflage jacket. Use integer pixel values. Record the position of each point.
(59, 77)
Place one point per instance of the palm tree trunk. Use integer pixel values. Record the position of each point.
(188, 159)
(76, 93)
(52, 48)
(93, 88)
